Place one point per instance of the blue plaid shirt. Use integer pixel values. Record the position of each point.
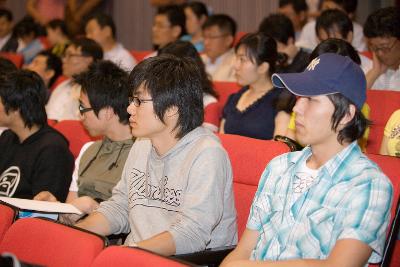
(350, 198)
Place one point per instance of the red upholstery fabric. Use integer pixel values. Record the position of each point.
(238, 36)
(224, 90)
(382, 103)
(17, 59)
(7, 217)
(125, 256)
(140, 55)
(395, 262)
(75, 133)
(45, 42)
(249, 157)
(212, 114)
(47, 243)
(367, 53)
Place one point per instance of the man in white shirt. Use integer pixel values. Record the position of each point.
(101, 28)
(219, 33)
(7, 43)
(63, 103)
(382, 30)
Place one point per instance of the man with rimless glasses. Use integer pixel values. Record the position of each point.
(382, 30)
(63, 103)
(175, 193)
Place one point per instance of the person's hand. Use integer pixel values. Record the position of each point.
(85, 204)
(45, 196)
(377, 66)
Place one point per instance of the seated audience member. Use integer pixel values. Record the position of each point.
(259, 109)
(296, 11)
(334, 23)
(34, 157)
(98, 168)
(327, 205)
(8, 43)
(308, 37)
(218, 34)
(29, 45)
(186, 49)
(168, 26)
(101, 28)
(343, 48)
(175, 194)
(57, 35)
(63, 103)
(48, 66)
(391, 136)
(382, 30)
(5, 67)
(196, 14)
(43, 11)
(280, 28)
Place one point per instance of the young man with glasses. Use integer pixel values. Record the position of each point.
(175, 194)
(382, 30)
(102, 105)
(219, 33)
(63, 103)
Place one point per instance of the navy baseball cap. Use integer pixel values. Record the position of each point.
(327, 74)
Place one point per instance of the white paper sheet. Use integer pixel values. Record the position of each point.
(43, 206)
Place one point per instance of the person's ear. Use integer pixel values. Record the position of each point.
(263, 68)
(290, 41)
(348, 116)
(176, 31)
(171, 112)
(349, 37)
(107, 31)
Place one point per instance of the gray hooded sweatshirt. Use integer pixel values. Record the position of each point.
(187, 192)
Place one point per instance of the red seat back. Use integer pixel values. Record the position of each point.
(238, 36)
(126, 256)
(382, 103)
(140, 55)
(249, 157)
(17, 59)
(58, 81)
(367, 54)
(212, 114)
(224, 90)
(8, 215)
(75, 133)
(44, 242)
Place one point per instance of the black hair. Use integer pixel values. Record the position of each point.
(198, 8)
(172, 82)
(336, 46)
(58, 24)
(186, 49)
(7, 14)
(350, 6)
(89, 48)
(355, 128)
(279, 27)
(175, 15)
(53, 63)
(25, 27)
(298, 5)
(106, 85)
(24, 91)
(225, 23)
(104, 20)
(384, 22)
(6, 66)
(334, 19)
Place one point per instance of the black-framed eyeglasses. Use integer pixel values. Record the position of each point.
(83, 110)
(137, 101)
(383, 49)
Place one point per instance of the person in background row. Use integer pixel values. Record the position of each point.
(196, 14)
(101, 28)
(219, 32)
(258, 110)
(296, 11)
(34, 157)
(58, 36)
(6, 66)
(8, 43)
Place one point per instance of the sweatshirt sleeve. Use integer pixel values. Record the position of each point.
(204, 200)
(116, 208)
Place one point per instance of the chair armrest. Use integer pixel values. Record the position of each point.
(208, 257)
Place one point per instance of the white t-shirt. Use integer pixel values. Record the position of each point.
(222, 68)
(304, 178)
(390, 80)
(64, 102)
(121, 57)
(74, 183)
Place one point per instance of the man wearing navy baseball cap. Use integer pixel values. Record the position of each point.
(327, 205)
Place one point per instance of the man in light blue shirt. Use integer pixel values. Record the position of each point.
(327, 205)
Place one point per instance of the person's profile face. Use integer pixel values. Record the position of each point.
(5, 26)
(162, 31)
(74, 62)
(95, 32)
(216, 42)
(387, 49)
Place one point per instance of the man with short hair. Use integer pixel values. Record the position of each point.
(296, 11)
(280, 27)
(327, 205)
(382, 30)
(175, 195)
(48, 66)
(34, 157)
(7, 42)
(63, 103)
(101, 28)
(219, 33)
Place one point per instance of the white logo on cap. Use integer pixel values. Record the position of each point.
(313, 64)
